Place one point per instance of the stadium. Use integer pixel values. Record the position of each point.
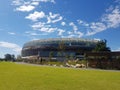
(58, 47)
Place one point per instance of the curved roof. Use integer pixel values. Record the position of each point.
(56, 41)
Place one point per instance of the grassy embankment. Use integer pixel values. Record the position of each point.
(26, 77)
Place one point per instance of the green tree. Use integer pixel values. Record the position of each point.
(101, 46)
(62, 50)
(62, 47)
(13, 57)
(8, 57)
(51, 54)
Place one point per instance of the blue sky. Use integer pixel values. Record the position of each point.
(25, 20)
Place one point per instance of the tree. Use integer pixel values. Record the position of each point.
(51, 54)
(13, 57)
(19, 57)
(62, 49)
(62, 46)
(8, 57)
(101, 46)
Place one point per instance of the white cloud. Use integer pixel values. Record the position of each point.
(52, 1)
(69, 36)
(32, 33)
(35, 3)
(97, 39)
(75, 28)
(53, 18)
(112, 19)
(28, 5)
(17, 2)
(63, 23)
(117, 1)
(57, 20)
(69, 32)
(79, 34)
(49, 30)
(74, 33)
(116, 49)
(83, 23)
(12, 46)
(25, 8)
(43, 27)
(39, 25)
(109, 9)
(109, 19)
(11, 33)
(95, 28)
(35, 16)
(98, 26)
(60, 32)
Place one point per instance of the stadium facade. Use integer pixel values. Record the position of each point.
(58, 47)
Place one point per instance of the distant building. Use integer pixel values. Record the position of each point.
(59, 47)
(103, 59)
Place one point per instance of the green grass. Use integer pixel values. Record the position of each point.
(27, 77)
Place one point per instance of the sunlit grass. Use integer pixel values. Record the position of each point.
(26, 77)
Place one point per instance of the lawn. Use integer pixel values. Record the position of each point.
(27, 77)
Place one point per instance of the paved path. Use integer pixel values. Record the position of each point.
(39, 65)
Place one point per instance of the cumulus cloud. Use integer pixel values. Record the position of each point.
(53, 18)
(35, 16)
(63, 23)
(48, 29)
(28, 5)
(60, 32)
(75, 28)
(96, 27)
(74, 32)
(25, 8)
(38, 25)
(83, 23)
(43, 27)
(35, 3)
(79, 34)
(57, 20)
(12, 46)
(110, 19)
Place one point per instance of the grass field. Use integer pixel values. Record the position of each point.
(27, 77)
